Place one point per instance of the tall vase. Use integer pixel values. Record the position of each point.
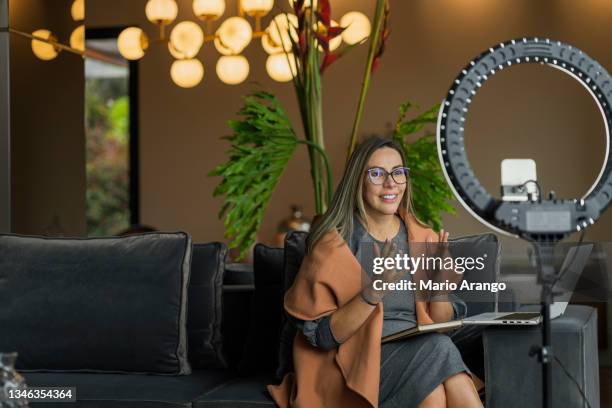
(10, 380)
(296, 222)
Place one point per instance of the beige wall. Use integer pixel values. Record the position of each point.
(531, 111)
(47, 126)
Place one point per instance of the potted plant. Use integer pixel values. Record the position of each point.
(263, 139)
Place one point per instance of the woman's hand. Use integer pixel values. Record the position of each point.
(345, 321)
(438, 248)
(439, 308)
(432, 305)
(389, 275)
(441, 249)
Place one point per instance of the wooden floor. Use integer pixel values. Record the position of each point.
(605, 379)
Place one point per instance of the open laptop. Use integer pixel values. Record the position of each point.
(567, 280)
(572, 267)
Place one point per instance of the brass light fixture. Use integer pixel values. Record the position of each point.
(230, 39)
(46, 46)
(186, 38)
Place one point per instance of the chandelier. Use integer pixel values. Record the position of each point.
(230, 38)
(45, 44)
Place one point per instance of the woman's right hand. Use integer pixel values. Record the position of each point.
(389, 275)
(345, 321)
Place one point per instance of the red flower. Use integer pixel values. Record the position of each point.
(333, 32)
(325, 33)
(324, 12)
(302, 43)
(298, 5)
(323, 40)
(384, 35)
(328, 59)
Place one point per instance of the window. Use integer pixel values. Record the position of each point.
(111, 136)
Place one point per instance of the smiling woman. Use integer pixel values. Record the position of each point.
(372, 204)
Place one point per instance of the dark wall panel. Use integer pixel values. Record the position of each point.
(5, 152)
(47, 125)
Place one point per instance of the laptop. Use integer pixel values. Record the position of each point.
(572, 267)
(568, 278)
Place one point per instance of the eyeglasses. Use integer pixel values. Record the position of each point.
(378, 175)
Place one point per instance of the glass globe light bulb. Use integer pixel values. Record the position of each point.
(208, 9)
(77, 38)
(221, 48)
(43, 50)
(257, 8)
(132, 43)
(77, 10)
(161, 12)
(235, 33)
(233, 69)
(282, 29)
(268, 45)
(358, 27)
(187, 38)
(187, 73)
(175, 54)
(281, 67)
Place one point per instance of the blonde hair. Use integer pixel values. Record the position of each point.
(349, 194)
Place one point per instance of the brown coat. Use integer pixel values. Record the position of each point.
(348, 376)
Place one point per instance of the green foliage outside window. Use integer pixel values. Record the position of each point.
(107, 153)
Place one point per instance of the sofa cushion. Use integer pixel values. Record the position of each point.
(204, 314)
(239, 393)
(238, 274)
(132, 390)
(96, 304)
(479, 245)
(261, 351)
(236, 316)
(295, 247)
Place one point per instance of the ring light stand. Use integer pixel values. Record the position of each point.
(546, 221)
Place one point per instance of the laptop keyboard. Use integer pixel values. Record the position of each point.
(519, 316)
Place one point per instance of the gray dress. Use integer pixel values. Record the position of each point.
(410, 369)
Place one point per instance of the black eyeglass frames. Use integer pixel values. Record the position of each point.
(378, 175)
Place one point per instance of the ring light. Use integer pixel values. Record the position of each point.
(548, 219)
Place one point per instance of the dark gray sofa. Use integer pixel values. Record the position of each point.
(253, 327)
(214, 380)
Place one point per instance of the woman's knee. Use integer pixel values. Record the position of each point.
(459, 379)
(436, 399)
(461, 392)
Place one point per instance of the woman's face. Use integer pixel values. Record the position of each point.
(383, 198)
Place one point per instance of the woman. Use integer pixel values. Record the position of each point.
(342, 319)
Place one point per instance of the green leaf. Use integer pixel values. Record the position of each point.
(262, 143)
(431, 193)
